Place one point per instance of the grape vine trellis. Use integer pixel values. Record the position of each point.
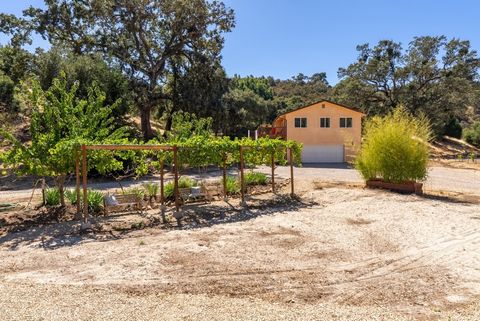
(199, 151)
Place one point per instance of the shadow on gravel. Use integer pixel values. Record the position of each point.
(51, 235)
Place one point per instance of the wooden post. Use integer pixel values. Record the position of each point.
(291, 172)
(162, 193)
(84, 179)
(175, 188)
(225, 177)
(77, 184)
(242, 181)
(273, 172)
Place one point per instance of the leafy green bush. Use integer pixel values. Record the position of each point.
(255, 178)
(137, 191)
(52, 197)
(395, 148)
(233, 185)
(71, 196)
(95, 201)
(168, 190)
(472, 134)
(186, 182)
(151, 189)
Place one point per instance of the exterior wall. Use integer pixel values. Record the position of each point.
(313, 134)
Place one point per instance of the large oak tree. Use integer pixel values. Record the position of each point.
(142, 36)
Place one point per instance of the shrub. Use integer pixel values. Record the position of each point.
(255, 178)
(233, 185)
(95, 201)
(137, 191)
(186, 182)
(394, 147)
(52, 197)
(168, 190)
(453, 128)
(151, 189)
(472, 134)
(71, 196)
(183, 182)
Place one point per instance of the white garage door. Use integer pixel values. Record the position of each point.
(323, 154)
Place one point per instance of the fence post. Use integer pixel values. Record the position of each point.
(273, 172)
(78, 216)
(225, 177)
(242, 182)
(291, 172)
(175, 186)
(84, 179)
(162, 193)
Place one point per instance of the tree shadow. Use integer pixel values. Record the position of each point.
(51, 236)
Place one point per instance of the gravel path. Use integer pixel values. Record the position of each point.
(341, 254)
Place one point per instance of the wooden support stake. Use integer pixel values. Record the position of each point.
(162, 192)
(291, 172)
(84, 179)
(273, 172)
(175, 164)
(77, 185)
(225, 177)
(242, 181)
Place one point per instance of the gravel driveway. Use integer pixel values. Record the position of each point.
(439, 178)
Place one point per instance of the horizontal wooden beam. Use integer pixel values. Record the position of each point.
(129, 147)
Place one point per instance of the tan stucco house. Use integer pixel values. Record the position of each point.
(329, 132)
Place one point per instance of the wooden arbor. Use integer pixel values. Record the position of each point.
(175, 150)
(84, 150)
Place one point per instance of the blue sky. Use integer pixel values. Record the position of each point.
(281, 38)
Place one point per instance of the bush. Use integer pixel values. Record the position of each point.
(395, 148)
(472, 134)
(453, 128)
(183, 182)
(186, 182)
(255, 178)
(137, 191)
(71, 196)
(52, 196)
(151, 189)
(233, 185)
(95, 201)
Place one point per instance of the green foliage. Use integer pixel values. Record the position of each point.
(472, 134)
(186, 182)
(169, 191)
(95, 201)
(6, 93)
(71, 196)
(233, 185)
(52, 197)
(151, 189)
(137, 191)
(453, 128)
(395, 148)
(255, 178)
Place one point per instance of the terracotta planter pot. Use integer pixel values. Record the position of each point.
(409, 187)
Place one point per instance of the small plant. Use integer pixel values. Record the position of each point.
(168, 190)
(71, 196)
(138, 225)
(186, 182)
(459, 157)
(151, 189)
(52, 197)
(255, 178)
(137, 191)
(472, 157)
(95, 201)
(233, 186)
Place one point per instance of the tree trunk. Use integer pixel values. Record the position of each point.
(147, 131)
(61, 188)
(169, 122)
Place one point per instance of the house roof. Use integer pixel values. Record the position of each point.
(322, 101)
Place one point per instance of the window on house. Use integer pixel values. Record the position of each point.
(346, 123)
(325, 122)
(300, 122)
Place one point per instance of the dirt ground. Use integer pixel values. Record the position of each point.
(336, 253)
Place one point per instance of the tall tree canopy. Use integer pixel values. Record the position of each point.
(433, 75)
(144, 37)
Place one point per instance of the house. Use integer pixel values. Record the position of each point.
(329, 132)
